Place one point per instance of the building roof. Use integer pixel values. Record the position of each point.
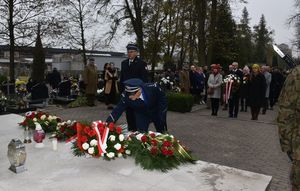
(51, 51)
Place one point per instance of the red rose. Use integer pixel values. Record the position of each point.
(121, 150)
(164, 151)
(119, 130)
(111, 126)
(100, 125)
(167, 144)
(92, 133)
(86, 130)
(101, 130)
(144, 138)
(84, 139)
(170, 152)
(40, 115)
(154, 150)
(154, 142)
(152, 135)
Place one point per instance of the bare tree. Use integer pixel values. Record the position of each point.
(134, 12)
(80, 16)
(18, 23)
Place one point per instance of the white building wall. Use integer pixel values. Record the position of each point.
(100, 61)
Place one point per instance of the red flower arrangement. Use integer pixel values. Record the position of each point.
(48, 122)
(100, 140)
(158, 151)
(66, 130)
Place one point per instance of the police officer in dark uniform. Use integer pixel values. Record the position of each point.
(149, 104)
(132, 67)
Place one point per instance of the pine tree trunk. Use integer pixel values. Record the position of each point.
(213, 21)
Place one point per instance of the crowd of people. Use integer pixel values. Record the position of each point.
(258, 87)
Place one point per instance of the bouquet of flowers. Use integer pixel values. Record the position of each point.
(100, 140)
(168, 85)
(66, 130)
(246, 79)
(48, 122)
(158, 151)
(231, 85)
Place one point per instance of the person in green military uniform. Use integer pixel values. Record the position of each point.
(289, 123)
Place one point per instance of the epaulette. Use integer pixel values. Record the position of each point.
(151, 85)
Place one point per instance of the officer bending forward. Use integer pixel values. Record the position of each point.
(148, 102)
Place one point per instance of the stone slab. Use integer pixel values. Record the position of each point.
(49, 170)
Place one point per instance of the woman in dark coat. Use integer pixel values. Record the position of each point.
(257, 91)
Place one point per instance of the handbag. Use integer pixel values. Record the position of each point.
(210, 91)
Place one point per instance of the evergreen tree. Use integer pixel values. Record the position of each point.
(244, 34)
(225, 44)
(262, 38)
(38, 65)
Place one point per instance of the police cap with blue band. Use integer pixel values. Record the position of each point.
(132, 46)
(132, 85)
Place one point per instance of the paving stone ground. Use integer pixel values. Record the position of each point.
(240, 143)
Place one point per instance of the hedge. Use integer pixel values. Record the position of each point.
(180, 102)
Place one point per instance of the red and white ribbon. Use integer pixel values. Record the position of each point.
(228, 90)
(102, 140)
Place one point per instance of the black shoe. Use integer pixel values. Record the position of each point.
(235, 116)
(230, 116)
(263, 112)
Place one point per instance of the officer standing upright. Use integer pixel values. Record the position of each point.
(149, 104)
(289, 123)
(132, 67)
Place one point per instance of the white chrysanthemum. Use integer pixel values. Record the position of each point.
(43, 117)
(91, 150)
(121, 137)
(110, 155)
(34, 119)
(50, 118)
(120, 155)
(118, 146)
(93, 142)
(85, 146)
(69, 122)
(38, 126)
(112, 138)
(127, 152)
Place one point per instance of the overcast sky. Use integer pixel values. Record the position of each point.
(276, 13)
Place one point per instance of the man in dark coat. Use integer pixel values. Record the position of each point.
(148, 102)
(235, 98)
(54, 78)
(275, 87)
(132, 67)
